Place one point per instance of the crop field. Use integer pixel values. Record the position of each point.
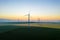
(42, 31)
(49, 25)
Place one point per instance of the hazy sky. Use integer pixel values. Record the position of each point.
(43, 9)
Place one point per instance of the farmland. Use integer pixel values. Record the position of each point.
(46, 31)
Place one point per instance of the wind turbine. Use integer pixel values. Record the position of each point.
(28, 20)
(18, 20)
(38, 20)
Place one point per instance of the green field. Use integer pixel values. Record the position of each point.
(36, 31)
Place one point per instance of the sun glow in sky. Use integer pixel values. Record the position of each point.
(43, 9)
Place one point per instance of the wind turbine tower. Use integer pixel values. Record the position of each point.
(29, 20)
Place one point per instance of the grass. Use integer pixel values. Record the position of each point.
(36, 31)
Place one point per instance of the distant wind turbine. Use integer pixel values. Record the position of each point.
(18, 20)
(38, 20)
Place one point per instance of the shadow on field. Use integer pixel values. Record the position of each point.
(23, 33)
